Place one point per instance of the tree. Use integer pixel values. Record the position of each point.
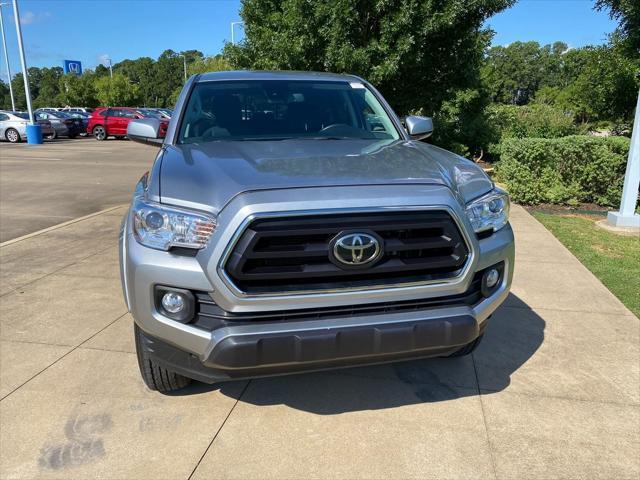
(215, 63)
(512, 74)
(5, 97)
(78, 90)
(48, 88)
(116, 91)
(599, 83)
(627, 12)
(418, 53)
(102, 71)
(18, 90)
(142, 73)
(607, 86)
(169, 74)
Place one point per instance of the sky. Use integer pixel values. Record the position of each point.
(92, 30)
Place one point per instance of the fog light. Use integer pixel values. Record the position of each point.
(173, 302)
(492, 278)
(176, 303)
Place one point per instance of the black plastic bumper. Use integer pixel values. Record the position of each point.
(259, 354)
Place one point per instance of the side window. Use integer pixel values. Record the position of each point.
(105, 113)
(129, 114)
(115, 112)
(3, 117)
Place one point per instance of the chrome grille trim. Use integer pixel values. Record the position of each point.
(249, 219)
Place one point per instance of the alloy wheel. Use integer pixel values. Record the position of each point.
(13, 136)
(99, 133)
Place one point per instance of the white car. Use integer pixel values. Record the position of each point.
(13, 126)
(77, 110)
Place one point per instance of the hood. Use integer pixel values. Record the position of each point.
(209, 175)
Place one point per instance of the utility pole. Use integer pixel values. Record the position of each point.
(6, 58)
(110, 67)
(233, 24)
(34, 131)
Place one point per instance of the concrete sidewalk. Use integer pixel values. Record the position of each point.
(553, 391)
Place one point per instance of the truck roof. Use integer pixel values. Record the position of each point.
(276, 75)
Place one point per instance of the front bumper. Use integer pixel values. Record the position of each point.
(315, 347)
(268, 347)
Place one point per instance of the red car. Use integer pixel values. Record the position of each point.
(112, 121)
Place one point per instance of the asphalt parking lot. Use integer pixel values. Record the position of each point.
(44, 185)
(552, 392)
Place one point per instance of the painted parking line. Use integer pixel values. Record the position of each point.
(59, 225)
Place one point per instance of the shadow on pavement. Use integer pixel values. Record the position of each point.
(513, 335)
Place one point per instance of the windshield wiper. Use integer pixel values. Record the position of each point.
(333, 137)
(260, 139)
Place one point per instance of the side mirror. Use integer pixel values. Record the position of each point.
(145, 130)
(418, 127)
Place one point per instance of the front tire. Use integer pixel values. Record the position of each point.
(12, 135)
(155, 376)
(99, 133)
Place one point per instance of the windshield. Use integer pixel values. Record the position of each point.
(22, 115)
(280, 109)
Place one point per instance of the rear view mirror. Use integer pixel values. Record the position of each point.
(145, 130)
(418, 127)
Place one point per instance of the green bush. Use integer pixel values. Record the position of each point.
(565, 170)
(539, 121)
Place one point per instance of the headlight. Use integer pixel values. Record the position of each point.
(160, 227)
(489, 212)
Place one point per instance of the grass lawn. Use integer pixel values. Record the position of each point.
(614, 259)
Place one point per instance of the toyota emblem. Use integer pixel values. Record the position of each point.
(356, 249)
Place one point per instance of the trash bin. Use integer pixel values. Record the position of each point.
(34, 134)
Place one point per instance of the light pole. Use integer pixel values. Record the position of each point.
(184, 59)
(34, 131)
(233, 24)
(110, 67)
(6, 58)
(626, 217)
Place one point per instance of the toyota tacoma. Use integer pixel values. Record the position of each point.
(292, 222)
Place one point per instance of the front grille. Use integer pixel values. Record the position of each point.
(293, 253)
(210, 316)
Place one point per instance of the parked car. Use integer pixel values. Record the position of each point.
(280, 230)
(77, 110)
(152, 113)
(13, 126)
(63, 124)
(113, 121)
(165, 112)
(84, 119)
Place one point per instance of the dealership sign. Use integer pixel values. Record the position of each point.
(73, 66)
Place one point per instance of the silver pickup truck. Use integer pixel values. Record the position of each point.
(292, 222)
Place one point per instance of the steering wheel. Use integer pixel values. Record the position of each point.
(215, 132)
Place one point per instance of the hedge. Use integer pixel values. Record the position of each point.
(568, 170)
(526, 121)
